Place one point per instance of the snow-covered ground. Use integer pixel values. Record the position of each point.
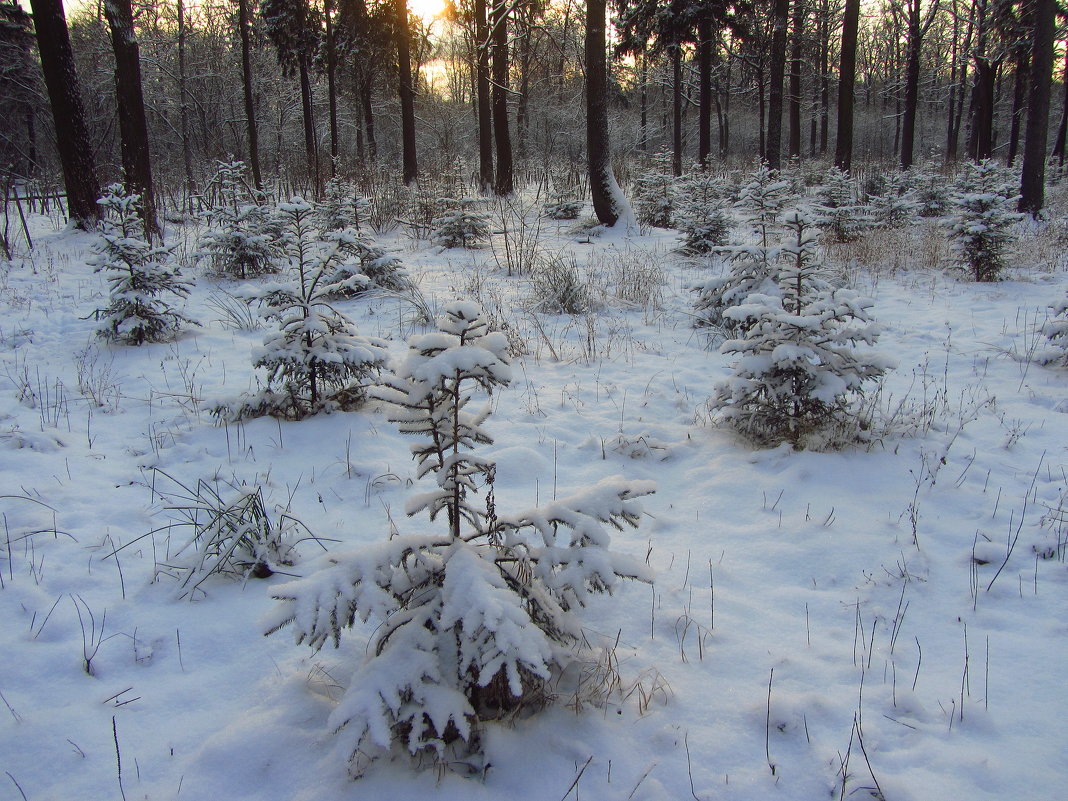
(889, 619)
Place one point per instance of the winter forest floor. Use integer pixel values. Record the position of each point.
(885, 621)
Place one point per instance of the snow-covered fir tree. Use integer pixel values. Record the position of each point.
(341, 207)
(841, 218)
(797, 369)
(653, 193)
(701, 214)
(930, 189)
(751, 264)
(144, 281)
(461, 225)
(242, 237)
(563, 206)
(470, 620)
(981, 219)
(890, 203)
(315, 358)
(1056, 330)
(357, 266)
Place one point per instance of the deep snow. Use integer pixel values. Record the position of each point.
(850, 582)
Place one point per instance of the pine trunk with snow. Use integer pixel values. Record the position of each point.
(471, 620)
(143, 280)
(797, 369)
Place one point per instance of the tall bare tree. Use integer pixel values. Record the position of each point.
(603, 187)
(847, 79)
(133, 125)
(73, 143)
(1034, 158)
(916, 26)
(503, 182)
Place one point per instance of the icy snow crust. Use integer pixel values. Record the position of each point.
(910, 598)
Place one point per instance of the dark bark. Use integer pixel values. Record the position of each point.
(73, 142)
(982, 142)
(603, 188)
(643, 142)
(331, 83)
(246, 84)
(1034, 156)
(798, 29)
(1062, 129)
(311, 148)
(503, 182)
(843, 150)
(183, 106)
(482, 95)
(366, 101)
(705, 45)
(676, 111)
(916, 28)
(780, 21)
(1021, 67)
(406, 91)
(133, 125)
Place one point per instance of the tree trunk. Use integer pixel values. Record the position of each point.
(503, 183)
(406, 91)
(72, 139)
(603, 187)
(1062, 129)
(307, 113)
(133, 126)
(1034, 157)
(676, 111)
(643, 142)
(250, 104)
(482, 93)
(773, 148)
(331, 84)
(982, 144)
(1021, 66)
(912, 84)
(183, 111)
(366, 98)
(795, 79)
(843, 149)
(704, 58)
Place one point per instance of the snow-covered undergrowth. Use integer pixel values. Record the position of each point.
(883, 620)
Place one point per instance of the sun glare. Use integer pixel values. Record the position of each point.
(427, 10)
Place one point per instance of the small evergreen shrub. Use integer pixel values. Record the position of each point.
(563, 207)
(840, 217)
(1056, 330)
(981, 220)
(653, 193)
(797, 370)
(315, 358)
(461, 227)
(144, 280)
(341, 207)
(701, 215)
(893, 205)
(242, 238)
(471, 619)
(751, 264)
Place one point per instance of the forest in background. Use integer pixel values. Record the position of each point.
(305, 90)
